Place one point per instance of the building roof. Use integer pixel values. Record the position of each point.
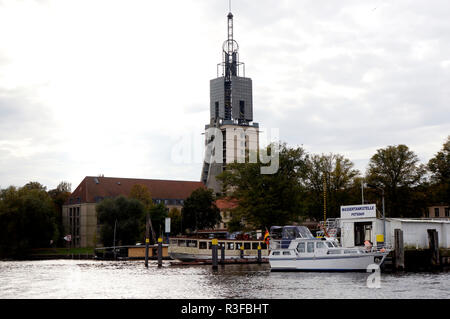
(421, 220)
(93, 188)
(227, 203)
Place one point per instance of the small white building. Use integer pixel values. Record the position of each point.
(359, 223)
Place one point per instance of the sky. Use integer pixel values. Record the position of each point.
(116, 87)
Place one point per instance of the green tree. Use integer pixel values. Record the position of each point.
(439, 166)
(27, 220)
(176, 225)
(126, 214)
(339, 176)
(268, 199)
(397, 171)
(158, 214)
(142, 193)
(59, 196)
(199, 211)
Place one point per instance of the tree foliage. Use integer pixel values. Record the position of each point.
(27, 219)
(176, 224)
(439, 166)
(397, 171)
(338, 175)
(141, 193)
(128, 212)
(158, 214)
(59, 196)
(199, 211)
(267, 199)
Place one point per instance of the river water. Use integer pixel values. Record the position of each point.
(54, 279)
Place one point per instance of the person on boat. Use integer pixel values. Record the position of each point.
(368, 245)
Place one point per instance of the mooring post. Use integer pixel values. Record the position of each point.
(399, 250)
(222, 253)
(147, 240)
(433, 241)
(159, 252)
(242, 252)
(214, 253)
(259, 253)
(146, 252)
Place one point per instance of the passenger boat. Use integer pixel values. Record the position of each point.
(299, 250)
(191, 249)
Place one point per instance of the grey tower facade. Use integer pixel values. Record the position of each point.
(230, 135)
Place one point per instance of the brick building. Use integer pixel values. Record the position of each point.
(80, 216)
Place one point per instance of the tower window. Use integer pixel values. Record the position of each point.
(216, 110)
(241, 108)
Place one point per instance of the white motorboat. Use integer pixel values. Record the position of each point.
(306, 253)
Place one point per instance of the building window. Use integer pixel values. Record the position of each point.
(427, 214)
(447, 211)
(241, 109)
(436, 212)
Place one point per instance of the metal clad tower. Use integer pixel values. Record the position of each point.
(231, 111)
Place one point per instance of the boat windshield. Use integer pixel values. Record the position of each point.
(275, 232)
(292, 232)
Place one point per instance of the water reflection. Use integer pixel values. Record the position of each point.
(130, 279)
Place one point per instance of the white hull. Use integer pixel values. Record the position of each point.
(355, 262)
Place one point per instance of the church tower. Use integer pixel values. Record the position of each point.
(231, 136)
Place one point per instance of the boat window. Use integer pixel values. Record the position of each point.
(246, 245)
(329, 244)
(320, 244)
(191, 243)
(182, 243)
(202, 245)
(310, 247)
(255, 246)
(286, 253)
(301, 247)
(263, 245)
(304, 232)
(334, 252)
(238, 246)
(173, 242)
(289, 233)
(350, 251)
(276, 253)
(230, 246)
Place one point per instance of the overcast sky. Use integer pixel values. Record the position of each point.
(111, 87)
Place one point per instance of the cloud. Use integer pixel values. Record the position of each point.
(112, 86)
